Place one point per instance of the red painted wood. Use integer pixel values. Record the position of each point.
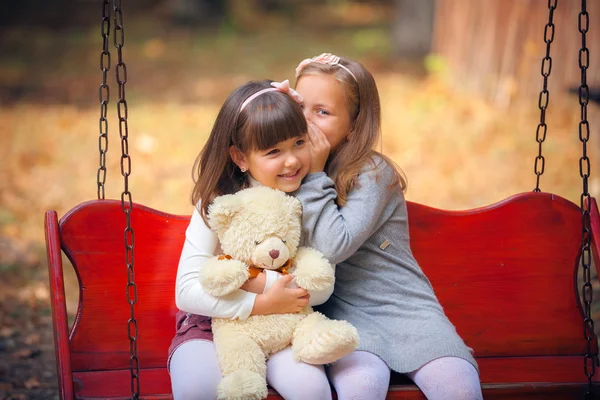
(60, 322)
(512, 392)
(531, 391)
(92, 238)
(505, 275)
(490, 392)
(595, 224)
(506, 372)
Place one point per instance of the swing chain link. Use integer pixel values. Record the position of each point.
(126, 201)
(104, 96)
(544, 98)
(591, 355)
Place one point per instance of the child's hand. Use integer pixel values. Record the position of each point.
(256, 285)
(279, 299)
(319, 148)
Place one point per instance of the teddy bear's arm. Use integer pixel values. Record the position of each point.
(312, 270)
(221, 276)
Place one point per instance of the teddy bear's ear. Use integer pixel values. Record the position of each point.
(295, 207)
(222, 211)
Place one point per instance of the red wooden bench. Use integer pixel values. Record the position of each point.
(505, 274)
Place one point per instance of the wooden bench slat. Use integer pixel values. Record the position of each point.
(504, 273)
(501, 375)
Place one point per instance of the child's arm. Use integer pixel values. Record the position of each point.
(338, 232)
(200, 245)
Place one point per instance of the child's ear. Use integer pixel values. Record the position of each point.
(222, 211)
(238, 158)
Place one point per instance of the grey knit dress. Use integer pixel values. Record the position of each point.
(379, 287)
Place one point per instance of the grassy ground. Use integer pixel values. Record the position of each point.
(457, 150)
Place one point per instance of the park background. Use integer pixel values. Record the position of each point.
(459, 83)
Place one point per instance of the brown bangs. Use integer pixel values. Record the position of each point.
(271, 118)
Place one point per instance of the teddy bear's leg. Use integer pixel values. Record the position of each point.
(243, 365)
(319, 340)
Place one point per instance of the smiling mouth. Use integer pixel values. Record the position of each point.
(290, 176)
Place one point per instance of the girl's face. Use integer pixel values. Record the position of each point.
(326, 106)
(282, 166)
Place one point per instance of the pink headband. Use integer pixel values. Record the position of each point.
(325, 58)
(283, 87)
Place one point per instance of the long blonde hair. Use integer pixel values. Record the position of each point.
(268, 119)
(344, 165)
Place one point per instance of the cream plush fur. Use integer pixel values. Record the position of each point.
(261, 226)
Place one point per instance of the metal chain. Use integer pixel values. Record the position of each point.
(126, 201)
(104, 96)
(544, 98)
(590, 357)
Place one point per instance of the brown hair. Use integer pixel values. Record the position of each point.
(344, 165)
(270, 118)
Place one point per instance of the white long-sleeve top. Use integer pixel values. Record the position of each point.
(201, 243)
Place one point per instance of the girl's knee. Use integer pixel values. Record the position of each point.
(362, 385)
(295, 380)
(360, 375)
(192, 390)
(461, 392)
(317, 388)
(195, 372)
(193, 386)
(448, 378)
(305, 390)
(319, 391)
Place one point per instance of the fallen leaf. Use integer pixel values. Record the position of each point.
(17, 396)
(33, 338)
(26, 353)
(6, 331)
(32, 383)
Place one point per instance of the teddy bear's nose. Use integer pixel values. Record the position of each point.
(274, 254)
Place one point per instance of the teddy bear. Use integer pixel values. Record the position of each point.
(259, 228)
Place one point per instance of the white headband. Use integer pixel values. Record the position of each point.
(325, 58)
(283, 87)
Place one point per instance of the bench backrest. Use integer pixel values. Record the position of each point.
(505, 274)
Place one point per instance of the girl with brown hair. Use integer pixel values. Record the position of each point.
(259, 138)
(354, 212)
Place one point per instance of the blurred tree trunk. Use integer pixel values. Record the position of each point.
(257, 15)
(207, 13)
(495, 47)
(63, 14)
(413, 27)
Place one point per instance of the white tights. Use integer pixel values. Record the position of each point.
(364, 376)
(195, 374)
(361, 375)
